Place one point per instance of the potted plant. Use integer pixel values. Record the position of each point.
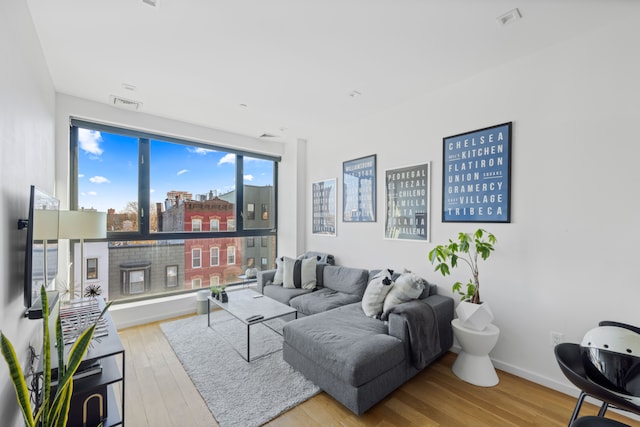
(54, 409)
(466, 250)
(215, 291)
(223, 294)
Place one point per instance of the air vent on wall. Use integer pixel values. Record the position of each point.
(125, 103)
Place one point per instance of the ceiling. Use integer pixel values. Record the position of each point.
(290, 68)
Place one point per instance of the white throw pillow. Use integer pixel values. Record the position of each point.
(377, 290)
(406, 287)
(278, 278)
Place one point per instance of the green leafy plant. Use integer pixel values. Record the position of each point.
(54, 410)
(466, 249)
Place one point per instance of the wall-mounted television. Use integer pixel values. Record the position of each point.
(41, 256)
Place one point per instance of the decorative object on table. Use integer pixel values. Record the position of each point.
(408, 210)
(324, 199)
(223, 296)
(472, 311)
(359, 190)
(84, 224)
(55, 409)
(215, 291)
(92, 291)
(476, 175)
(251, 273)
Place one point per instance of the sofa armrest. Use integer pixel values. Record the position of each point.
(264, 278)
(443, 310)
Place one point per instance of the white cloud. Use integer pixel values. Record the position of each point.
(182, 172)
(99, 180)
(152, 190)
(199, 150)
(92, 193)
(229, 158)
(89, 141)
(80, 175)
(248, 177)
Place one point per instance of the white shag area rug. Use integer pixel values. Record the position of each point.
(238, 393)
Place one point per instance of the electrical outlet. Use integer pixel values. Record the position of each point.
(556, 338)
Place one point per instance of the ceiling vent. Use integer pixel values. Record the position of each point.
(267, 135)
(509, 17)
(127, 104)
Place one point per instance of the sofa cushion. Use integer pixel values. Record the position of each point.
(346, 279)
(405, 288)
(282, 294)
(299, 273)
(377, 289)
(278, 278)
(345, 342)
(321, 300)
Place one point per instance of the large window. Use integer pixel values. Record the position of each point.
(171, 205)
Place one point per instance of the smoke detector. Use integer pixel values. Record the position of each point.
(509, 17)
(127, 104)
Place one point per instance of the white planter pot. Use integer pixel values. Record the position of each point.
(474, 316)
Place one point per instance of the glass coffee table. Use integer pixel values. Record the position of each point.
(251, 308)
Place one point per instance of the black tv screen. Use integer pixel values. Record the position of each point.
(41, 257)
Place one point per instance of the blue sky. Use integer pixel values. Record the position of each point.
(108, 173)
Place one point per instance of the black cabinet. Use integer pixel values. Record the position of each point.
(98, 386)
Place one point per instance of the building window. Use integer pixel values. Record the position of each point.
(251, 262)
(172, 276)
(196, 224)
(265, 212)
(251, 242)
(134, 279)
(264, 240)
(196, 258)
(264, 264)
(214, 225)
(215, 256)
(231, 224)
(231, 255)
(251, 211)
(196, 283)
(214, 280)
(92, 268)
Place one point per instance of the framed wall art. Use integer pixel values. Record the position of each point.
(408, 210)
(476, 175)
(324, 196)
(359, 190)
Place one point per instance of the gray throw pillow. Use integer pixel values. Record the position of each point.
(299, 273)
(405, 288)
(377, 290)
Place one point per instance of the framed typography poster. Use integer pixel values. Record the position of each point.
(476, 175)
(407, 203)
(359, 190)
(324, 199)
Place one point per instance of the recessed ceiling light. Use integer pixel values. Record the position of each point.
(127, 86)
(152, 3)
(354, 94)
(509, 17)
(243, 106)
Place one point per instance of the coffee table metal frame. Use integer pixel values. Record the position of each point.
(243, 304)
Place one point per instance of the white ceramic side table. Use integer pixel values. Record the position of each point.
(473, 364)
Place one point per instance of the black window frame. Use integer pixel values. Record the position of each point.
(144, 184)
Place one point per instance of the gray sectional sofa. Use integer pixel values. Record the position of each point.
(358, 359)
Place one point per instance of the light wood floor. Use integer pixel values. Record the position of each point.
(159, 393)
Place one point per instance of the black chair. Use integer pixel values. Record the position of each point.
(569, 358)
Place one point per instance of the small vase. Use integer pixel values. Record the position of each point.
(224, 297)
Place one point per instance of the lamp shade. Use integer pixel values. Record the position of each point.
(45, 224)
(83, 225)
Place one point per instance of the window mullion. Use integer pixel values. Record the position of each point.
(144, 202)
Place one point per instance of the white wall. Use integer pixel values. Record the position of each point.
(26, 157)
(567, 259)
